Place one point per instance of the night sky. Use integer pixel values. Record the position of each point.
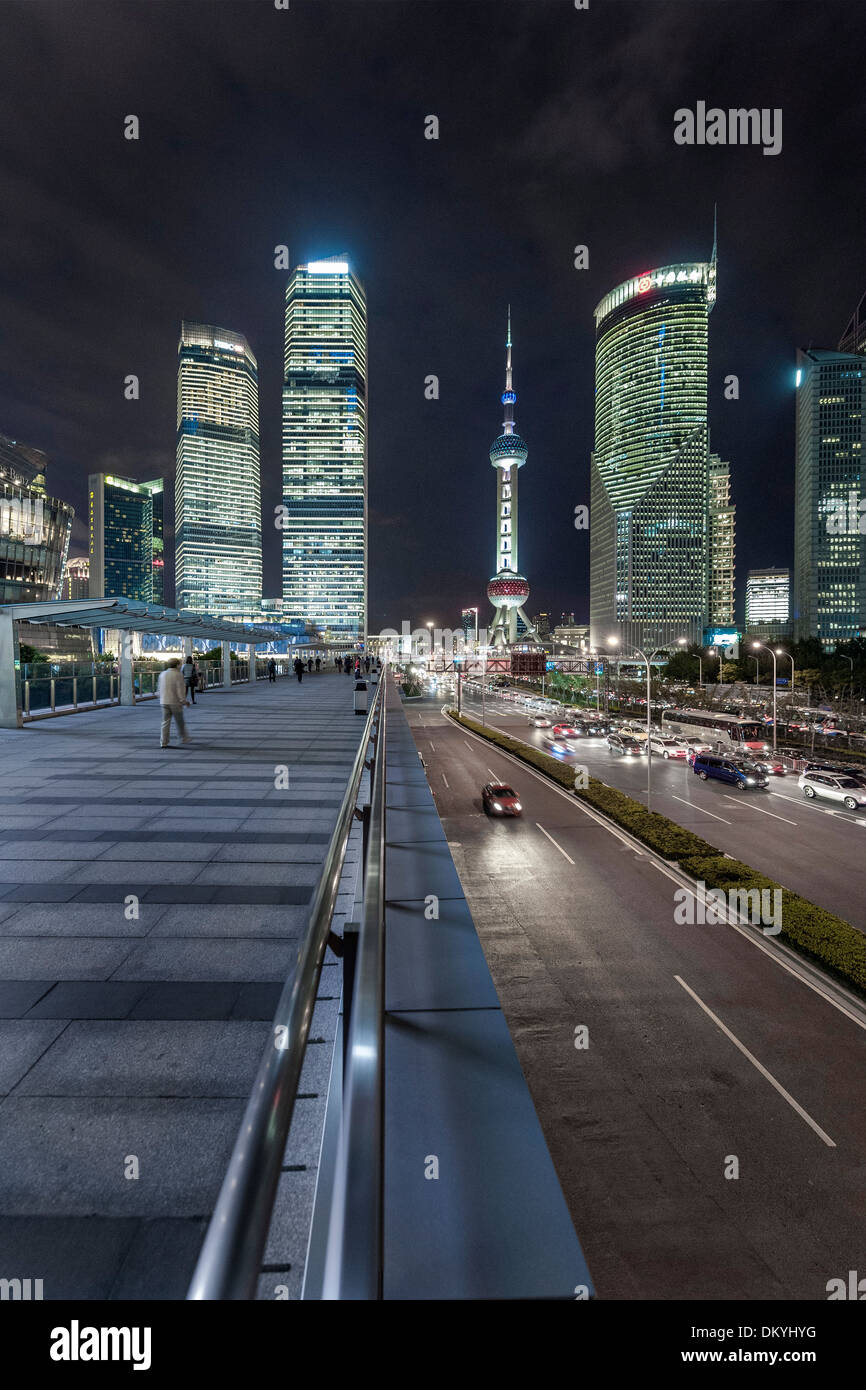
(261, 127)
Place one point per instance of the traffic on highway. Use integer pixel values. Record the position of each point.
(802, 822)
(696, 1083)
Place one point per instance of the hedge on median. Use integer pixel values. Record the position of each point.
(823, 936)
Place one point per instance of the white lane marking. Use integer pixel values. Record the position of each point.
(555, 845)
(759, 809)
(699, 808)
(444, 779)
(494, 775)
(775, 953)
(468, 744)
(825, 810)
(804, 1115)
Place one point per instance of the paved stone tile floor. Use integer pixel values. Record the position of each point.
(151, 903)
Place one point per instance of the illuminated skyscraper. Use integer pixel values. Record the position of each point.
(76, 584)
(35, 529)
(324, 512)
(650, 495)
(218, 505)
(767, 602)
(829, 544)
(126, 531)
(722, 544)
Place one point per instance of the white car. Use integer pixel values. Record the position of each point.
(833, 786)
(538, 721)
(667, 747)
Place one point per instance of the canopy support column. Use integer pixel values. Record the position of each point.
(127, 693)
(10, 675)
(227, 665)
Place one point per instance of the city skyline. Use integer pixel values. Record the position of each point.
(598, 166)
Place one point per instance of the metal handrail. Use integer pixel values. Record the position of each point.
(353, 1262)
(229, 1264)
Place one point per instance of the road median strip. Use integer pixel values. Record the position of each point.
(816, 933)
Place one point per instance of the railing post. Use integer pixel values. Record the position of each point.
(75, 692)
(52, 695)
(94, 692)
(27, 696)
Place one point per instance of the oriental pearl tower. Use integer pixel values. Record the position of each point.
(508, 589)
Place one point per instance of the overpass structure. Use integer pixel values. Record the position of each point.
(246, 965)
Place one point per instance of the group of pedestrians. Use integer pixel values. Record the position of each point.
(178, 685)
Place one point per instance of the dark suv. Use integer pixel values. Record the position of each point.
(737, 772)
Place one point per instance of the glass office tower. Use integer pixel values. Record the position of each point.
(218, 500)
(35, 529)
(126, 538)
(829, 546)
(650, 496)
(722, 544)
(324, 514)
(768, 602)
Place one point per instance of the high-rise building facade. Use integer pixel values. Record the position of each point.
(768, 593)
(829, 540)
(324, 512)
(126, 538)
(35, 529)
(218, 499)
(722, 544)
(76, 584)
(649, 497)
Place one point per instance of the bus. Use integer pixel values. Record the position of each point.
(727, 729)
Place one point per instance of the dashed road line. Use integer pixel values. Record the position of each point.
(804, 1115)
(555, 845)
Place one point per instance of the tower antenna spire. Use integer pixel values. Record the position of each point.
(509, 397)
(715, 232)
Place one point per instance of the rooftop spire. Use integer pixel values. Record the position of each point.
(508, 395)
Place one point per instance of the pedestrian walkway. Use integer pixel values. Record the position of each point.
(151, 903)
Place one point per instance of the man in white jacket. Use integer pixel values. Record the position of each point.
(172, 697)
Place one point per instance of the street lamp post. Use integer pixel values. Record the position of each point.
(780, 652)
(761, 647)
(614, 641)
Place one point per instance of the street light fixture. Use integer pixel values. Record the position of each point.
(760, 646)
(615, 642)
(682, 642)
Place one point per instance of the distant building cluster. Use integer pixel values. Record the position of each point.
(321, 523)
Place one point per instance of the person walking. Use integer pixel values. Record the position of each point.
(309, 664)
(299, 669)
(171, 690)
(187, 670)
(272, 671)
(318, 663)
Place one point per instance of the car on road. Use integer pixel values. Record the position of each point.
(667, 748)
(539, 721)
(624, 744)
(559, 747)
(567, 731)
(774, 767)
(500, 800)
(737, 772)
(833, 786)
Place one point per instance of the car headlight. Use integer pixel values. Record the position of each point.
(750, 781)
(496, 806)
(517, 806)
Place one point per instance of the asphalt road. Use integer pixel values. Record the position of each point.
(702, 1050)
(809, 847)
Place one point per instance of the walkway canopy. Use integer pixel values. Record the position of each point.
(121, 614)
